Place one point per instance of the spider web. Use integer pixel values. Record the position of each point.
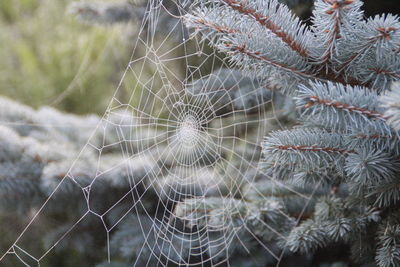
(184, 135)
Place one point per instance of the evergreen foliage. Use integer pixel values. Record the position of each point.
(333, 180)
(339, 71)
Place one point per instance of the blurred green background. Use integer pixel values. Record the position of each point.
(47, 57)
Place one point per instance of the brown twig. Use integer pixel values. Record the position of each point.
(269, 24)
(314, 100)
(315, 149)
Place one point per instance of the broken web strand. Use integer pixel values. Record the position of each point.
(163, 226)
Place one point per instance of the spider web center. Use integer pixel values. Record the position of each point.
(188, 132)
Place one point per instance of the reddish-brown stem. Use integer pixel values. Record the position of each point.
(315, 149)
(314, 100)
(320, 75)
(336, 4)
(327, 56)
(259, 56)
(216, 27)
(385, 72)
(386, 33)
(334, 11)
(269, 24)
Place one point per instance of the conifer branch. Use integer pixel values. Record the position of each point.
(347, 138)
(267, 22)
(332, 18)
(377, 35)
(314, 100)
(388, 253)
(242, 49)
(385, 194)
(391, 102)
(336, 105)
(209, 25)
(304, 151)
(307, 237)
(314, 149)
(229, 22)
(370, 167)
(388, 143)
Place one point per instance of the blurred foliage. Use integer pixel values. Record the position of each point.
(48, 58)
